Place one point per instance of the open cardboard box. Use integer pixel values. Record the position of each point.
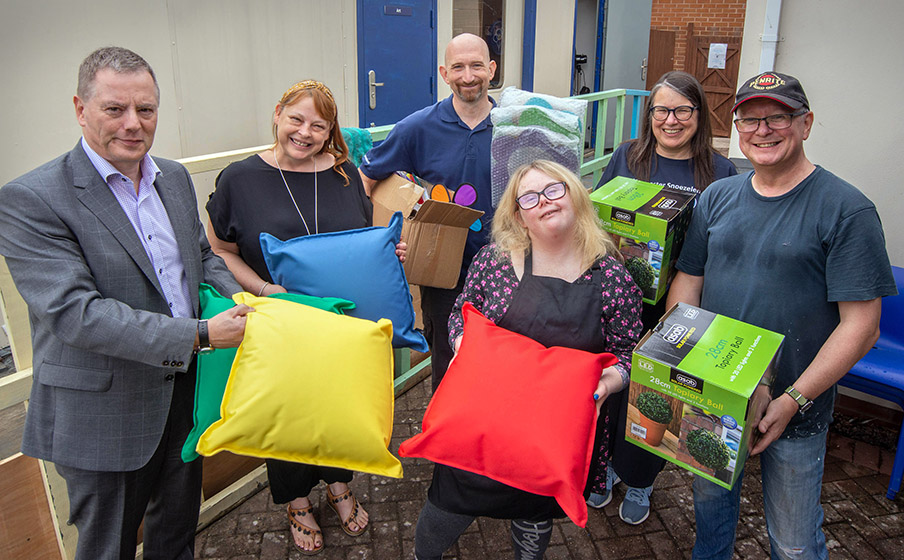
(395, 194)
(434, 231)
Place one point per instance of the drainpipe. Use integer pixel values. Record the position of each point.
(770, 36)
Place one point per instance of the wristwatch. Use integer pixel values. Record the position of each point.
(203, 338)
(802, 402)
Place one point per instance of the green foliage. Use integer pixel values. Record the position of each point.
(708, 449)
(655, 407)
(641, 271)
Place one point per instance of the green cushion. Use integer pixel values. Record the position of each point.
(214, 367)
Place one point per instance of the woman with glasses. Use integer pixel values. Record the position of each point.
(550, 271)
(674, 150)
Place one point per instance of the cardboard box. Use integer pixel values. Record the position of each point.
(707, 378)
(395, 194)
(435, 231)
(648, 222)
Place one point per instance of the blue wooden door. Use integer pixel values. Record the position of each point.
(396, 59)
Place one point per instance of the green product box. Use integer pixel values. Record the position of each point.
(648, 223)
(700, 383)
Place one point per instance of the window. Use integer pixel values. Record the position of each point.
(483, 18)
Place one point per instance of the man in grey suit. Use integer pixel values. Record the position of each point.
(105, 245)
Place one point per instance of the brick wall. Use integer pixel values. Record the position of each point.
(721, 18)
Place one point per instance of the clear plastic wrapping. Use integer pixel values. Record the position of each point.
(529, 126)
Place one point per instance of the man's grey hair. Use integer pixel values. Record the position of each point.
(118, 59)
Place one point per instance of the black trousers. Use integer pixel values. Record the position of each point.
(636, 466)
(436, 306)
(296, 480)
(107, 507)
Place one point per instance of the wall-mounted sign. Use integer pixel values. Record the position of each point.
(395, 10)
(717, 53)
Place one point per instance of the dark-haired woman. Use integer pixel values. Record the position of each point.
(674, 150)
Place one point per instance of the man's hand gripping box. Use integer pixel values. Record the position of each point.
(700, 383)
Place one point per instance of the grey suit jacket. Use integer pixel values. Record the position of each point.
(106, 348)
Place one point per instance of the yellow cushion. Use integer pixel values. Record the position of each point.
(309, 386)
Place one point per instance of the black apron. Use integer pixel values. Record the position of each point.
(554, 313)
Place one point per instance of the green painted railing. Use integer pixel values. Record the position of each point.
(600, 101)
(379, 132)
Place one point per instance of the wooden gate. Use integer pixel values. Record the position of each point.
(719, 84)
(662, 55)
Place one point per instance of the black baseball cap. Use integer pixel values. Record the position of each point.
(771, 85)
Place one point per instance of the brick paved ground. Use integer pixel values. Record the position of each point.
(860, 523)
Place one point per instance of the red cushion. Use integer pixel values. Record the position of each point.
(517, 412)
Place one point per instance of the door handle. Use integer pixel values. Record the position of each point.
(372, 85)
(643, 70)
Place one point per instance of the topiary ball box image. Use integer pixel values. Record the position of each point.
(642, 272)
(708, 449)
(654, 406)
(708, 377)
(648, 223)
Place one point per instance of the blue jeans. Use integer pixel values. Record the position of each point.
(792, 482)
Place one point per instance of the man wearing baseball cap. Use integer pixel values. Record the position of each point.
(794, 249)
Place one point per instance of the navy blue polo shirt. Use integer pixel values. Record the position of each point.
(436, 145)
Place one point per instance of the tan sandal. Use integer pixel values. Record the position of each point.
(353, 516)
(304, 529)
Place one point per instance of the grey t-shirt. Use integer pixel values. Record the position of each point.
(783, 262)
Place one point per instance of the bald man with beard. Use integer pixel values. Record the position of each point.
(448, 144)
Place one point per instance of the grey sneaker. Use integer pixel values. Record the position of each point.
(635, 508)
(598, 501)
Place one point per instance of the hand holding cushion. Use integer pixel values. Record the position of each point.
(277, 401)
(517, 412)
(361, 265)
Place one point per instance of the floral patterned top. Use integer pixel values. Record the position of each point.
(491, 283)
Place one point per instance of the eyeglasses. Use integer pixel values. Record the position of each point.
(529, 200)
(682, 113)
(774, 122)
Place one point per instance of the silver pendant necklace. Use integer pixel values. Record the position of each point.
(288, 190)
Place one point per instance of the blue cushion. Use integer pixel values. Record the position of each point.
(359, 265)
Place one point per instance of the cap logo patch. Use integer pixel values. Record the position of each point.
(767, 82)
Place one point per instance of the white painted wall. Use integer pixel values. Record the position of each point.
(848, 58)
(222, 66)
(513, 39)
(553, 56)
(513, 32)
